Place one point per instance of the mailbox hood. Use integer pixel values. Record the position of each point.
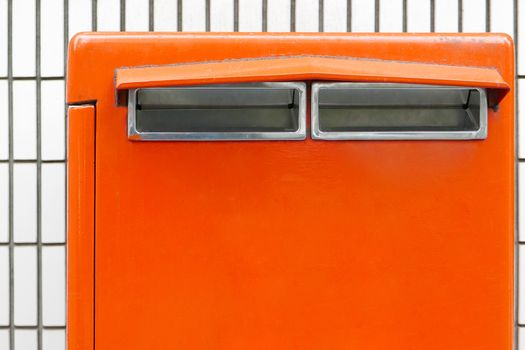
(291, 68)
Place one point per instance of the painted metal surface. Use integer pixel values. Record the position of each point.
(81, 223)
(310, 68)
(305, 245)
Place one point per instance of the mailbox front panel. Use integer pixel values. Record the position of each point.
(296, 244)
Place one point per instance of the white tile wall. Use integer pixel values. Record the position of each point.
(54, 340)
(4, 339)
(165, 15)
(53, 285)
(53, 203)
(363, 16)
(4, 203)
(335, 11)
(418, 16)
(521, 285)
(221, 16)
(521, 202)
(502, 17)
(108, 14)
(52, 38)
(25, 339)
(137, 15)
(521, 39)
(279, 15)
(3, 38)
(79, 16)
(474, 16)
(307, 16)
(446, 16)
(4, 287)
(250, 15)
(42, 187)
(391, 16)
(24, 38)
(25, 282)
(193, 15)
(53, 120)
(4, 122)
(521, 117)
(24, 202)
(24, 119)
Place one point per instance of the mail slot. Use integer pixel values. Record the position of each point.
(220, 112)
(291, 191)
(397, 111)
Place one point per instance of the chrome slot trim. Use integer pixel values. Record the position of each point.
(371, 95)
(208, 98)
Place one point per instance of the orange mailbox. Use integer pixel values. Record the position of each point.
(291, 191)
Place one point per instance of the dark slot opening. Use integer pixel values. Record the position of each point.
(217, 109)
(394, 109)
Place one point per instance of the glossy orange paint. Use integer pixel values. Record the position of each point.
(311, 68)
(81, 223)
(293, 244)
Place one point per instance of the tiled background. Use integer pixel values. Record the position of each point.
(33, 38)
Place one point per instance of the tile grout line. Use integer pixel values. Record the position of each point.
(43, 161)
(35, 327)
(320, 13)
(405, 15)
(487, 16)
(30, 244)
(33, 78)
(292, 15)
(38, 175)
(94, 15)
(207, 15)
(377, 9)
(349, 15)
(432, 16)
(264, 15)
(122, 17)
(151, 15)
(235, 15)
(66, 42)
(179, 15)
(10, 170)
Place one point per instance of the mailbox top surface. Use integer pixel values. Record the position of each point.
(94, 57)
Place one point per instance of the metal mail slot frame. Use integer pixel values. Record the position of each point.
(298, 100)
(375, 91)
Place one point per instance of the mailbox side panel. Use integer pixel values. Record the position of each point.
(81, 224)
